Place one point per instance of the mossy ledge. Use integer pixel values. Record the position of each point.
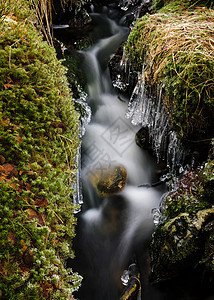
(175, 45)
(38, 144)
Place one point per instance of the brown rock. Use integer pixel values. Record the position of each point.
(110, 180)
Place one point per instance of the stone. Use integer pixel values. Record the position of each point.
(142, 139)
(110, 180)
(182, 243)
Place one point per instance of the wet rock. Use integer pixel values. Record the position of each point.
(75, 15)
(183, 243)
(110, 180)
(131, 278)
(79, 19)
(123, 77)
(142, 139)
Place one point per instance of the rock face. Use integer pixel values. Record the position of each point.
(123, 76)
(109, 181)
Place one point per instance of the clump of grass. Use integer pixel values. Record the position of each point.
(39, 130)
(177, 50)
(179, 5)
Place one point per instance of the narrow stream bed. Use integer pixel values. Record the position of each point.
(113, 231)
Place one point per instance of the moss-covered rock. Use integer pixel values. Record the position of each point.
(176, 49)
(184, 239)
(194, 192)
(38, 143)
(182, 243)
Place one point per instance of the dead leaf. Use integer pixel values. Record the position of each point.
(8, 170)
(7, 86)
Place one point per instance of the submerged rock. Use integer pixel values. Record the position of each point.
(110, 180)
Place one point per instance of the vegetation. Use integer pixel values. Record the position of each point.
(175, 45)
(38, 144)
(194, 192)
(184, 239)
(177, 5)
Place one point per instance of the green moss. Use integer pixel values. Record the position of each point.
(179, 5)
(185, 237)
(39, 130)
(176, 51)
(182, 243)
(193, 193)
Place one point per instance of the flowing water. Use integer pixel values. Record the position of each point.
(112, 230)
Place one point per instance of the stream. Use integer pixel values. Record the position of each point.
(111, 230)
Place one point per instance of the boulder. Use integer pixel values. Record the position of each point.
(110, 180)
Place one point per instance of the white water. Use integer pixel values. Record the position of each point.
(112, 228)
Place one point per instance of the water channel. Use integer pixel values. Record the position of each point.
(112, 231)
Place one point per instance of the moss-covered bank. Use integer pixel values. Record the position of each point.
(173, 46)
(38, 144)
(184, 238)
(176, 46)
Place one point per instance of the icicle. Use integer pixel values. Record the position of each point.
(147, 110)
(124, 60)
(77, 194)
(85, 120)
(124, 4)
(135, 104)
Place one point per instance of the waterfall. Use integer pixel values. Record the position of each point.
(111, 229)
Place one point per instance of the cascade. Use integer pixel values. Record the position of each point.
(110, 229)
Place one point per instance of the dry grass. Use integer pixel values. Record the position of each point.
(43, 10)
(179, 54)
